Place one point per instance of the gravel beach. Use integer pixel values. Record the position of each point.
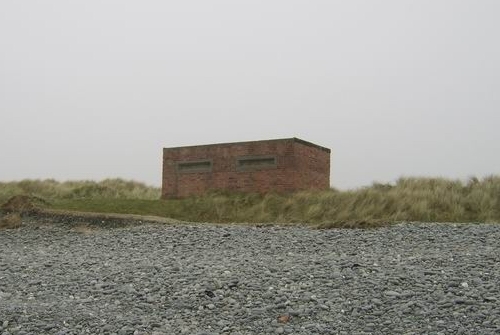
(206, 279)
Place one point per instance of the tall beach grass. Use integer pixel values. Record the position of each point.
(50, 189)
(408, 199)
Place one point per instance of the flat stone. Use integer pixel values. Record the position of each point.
(392, 293)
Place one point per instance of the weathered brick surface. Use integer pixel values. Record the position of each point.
(299, 165)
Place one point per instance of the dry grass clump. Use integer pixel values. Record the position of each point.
(20, 204)
(85, 229)
(50, 189)
(10, 221)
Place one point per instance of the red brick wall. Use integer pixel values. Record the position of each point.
(312, 167)
(299, 165)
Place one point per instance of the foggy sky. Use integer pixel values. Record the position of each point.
(95, 89)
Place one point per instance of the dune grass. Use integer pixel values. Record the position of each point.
(409, 199)
(51, 189)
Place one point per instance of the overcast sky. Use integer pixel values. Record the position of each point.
(93, 89)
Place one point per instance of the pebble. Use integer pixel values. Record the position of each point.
(207, 279)
(392, 293)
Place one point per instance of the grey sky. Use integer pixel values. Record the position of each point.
(95, 89)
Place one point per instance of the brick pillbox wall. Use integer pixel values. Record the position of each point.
(284, 165)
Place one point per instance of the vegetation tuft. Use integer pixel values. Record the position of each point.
(10, 221)
(409, 199)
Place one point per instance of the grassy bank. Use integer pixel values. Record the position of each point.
(51, 189)
(409, 199)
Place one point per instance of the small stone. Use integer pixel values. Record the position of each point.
(49, 326)
(107, 328)
(126, 331)
(392, 293)
(369, 326)
(210, 306)
(279, 330)
(233, 284)
(231, 301)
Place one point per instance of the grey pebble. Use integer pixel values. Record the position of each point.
(204, 279)
(392, 293)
